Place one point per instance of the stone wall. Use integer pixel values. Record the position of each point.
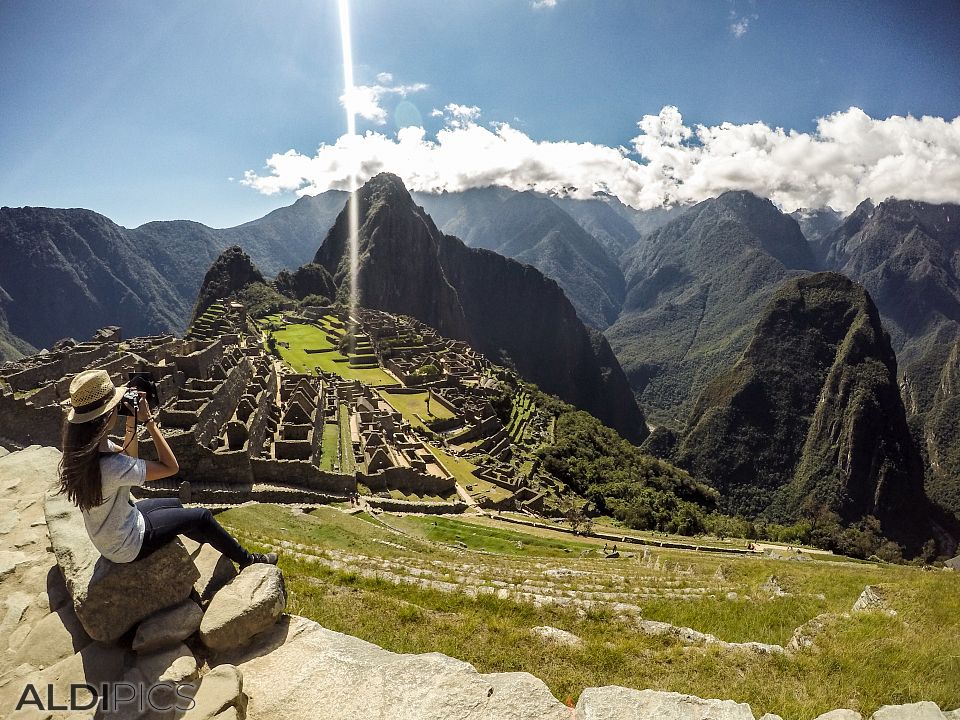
(407, 480)
(200, 464)
(417, 506)
(220, 408)
(296, 472)
(22, 423)
(35, 375)
(201, 357)
(261, 415)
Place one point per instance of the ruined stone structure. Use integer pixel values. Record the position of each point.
(245, 427)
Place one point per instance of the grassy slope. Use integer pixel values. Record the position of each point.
(864, 661)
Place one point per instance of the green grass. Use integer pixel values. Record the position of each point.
(411, 405)
(862, 661)
(494, 540)
(348, 463)
(462, 470)
(330, 445)
(303, 337)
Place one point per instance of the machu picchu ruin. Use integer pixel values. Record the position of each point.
(306, 406)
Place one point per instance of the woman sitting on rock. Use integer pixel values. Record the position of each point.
(97, 475)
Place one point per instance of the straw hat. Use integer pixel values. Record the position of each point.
(92, 394)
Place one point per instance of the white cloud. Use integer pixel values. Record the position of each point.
(364, 100)
(542, 4)
(848, 157)
(457, 116)
(740, 25)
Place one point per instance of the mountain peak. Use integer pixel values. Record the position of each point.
(386, 185)
(232, 271)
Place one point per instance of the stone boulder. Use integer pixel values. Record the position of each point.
(55, 637)
(612, 702)
(299, 670)
(110, 598)
(556, 635)
(168, 627)
(245, 606)
(841, 714)
(911, 711)
(221, 690)
(215, 569)
(872, 598)
(172, 664)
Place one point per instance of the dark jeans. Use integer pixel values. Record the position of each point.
(165, 518)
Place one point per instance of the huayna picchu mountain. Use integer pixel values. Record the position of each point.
(810, 418)
(508, 311)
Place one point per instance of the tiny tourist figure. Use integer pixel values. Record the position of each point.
(96, 475)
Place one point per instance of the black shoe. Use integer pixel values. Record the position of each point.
(268, 558)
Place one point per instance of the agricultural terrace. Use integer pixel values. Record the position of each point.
(472, 589)
(523, 407)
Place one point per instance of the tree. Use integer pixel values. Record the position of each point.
(573, 512)
(428, 369)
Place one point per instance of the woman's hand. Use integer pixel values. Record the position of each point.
(143, 409)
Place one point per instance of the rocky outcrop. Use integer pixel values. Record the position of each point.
(221, 691)
(232, 271)
(619, 703)
(556, 635)
(110, 598)
(214, 570)
(300, 666)
(245, 606)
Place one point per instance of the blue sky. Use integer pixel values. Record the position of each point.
(145, 110)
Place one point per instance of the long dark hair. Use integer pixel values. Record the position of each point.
(80, 462)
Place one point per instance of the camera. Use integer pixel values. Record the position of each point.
(138, 382)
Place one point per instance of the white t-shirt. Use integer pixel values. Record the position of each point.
(116, 527)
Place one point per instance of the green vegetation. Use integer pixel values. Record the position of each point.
(261, 299)
(461, 469)
(500, 540)
(301, 337)
(644, 492)
(348, 463)
(410, 405)
(522, 408)
(861, 661)
(330, 446)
